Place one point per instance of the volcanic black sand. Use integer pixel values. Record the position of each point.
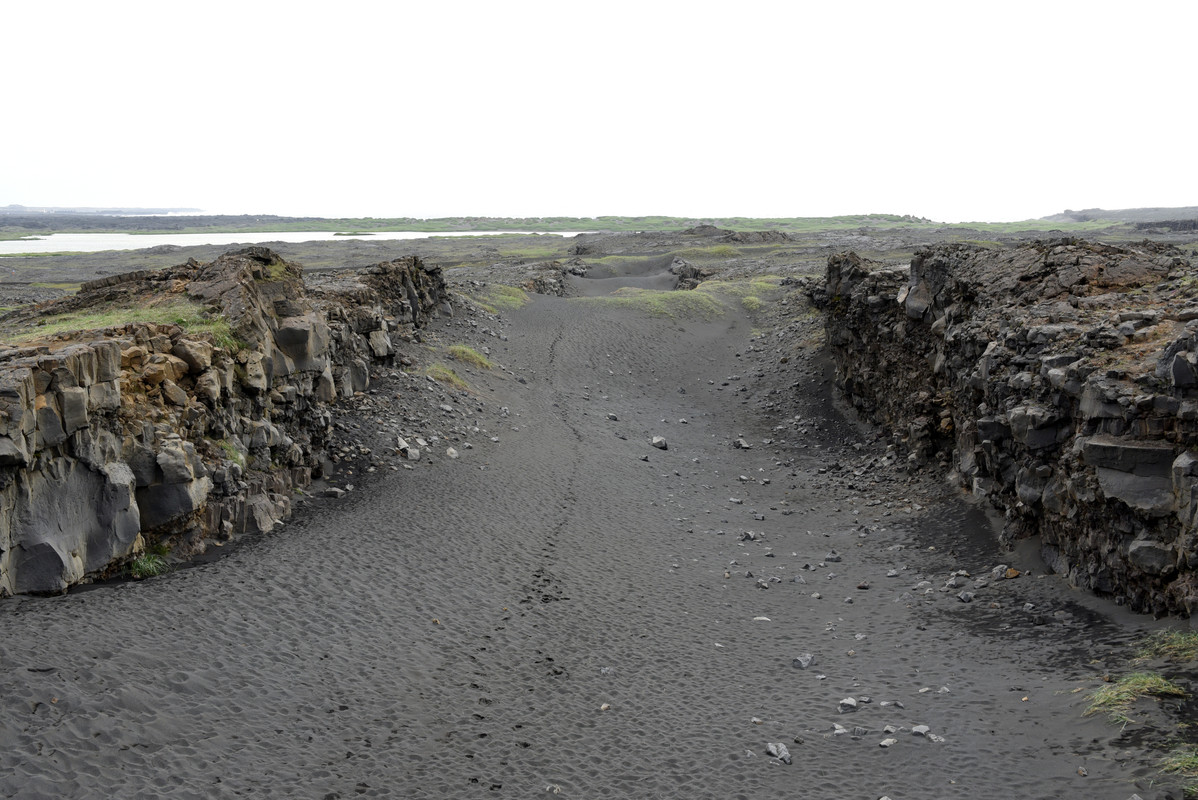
(572, 611)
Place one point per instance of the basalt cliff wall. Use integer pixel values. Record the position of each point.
(1057, 381)
(158, 433)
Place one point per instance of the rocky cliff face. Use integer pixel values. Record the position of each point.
(1057, 381)
(150, 432)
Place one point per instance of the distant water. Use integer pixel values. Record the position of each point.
(95, 242)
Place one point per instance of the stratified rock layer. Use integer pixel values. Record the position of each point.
(1058, 381)
(143, 431)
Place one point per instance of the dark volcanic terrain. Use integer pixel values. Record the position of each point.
(566, 606)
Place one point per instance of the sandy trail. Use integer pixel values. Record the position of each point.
(550, 614)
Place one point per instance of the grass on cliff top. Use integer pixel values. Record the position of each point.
(1115, 699)
(189, 316)
(468, 355)
(445, 375)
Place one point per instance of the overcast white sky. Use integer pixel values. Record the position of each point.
(955, 111)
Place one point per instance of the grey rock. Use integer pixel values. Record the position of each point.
(173, 394)
(778, 751)
(1152, 557)
(660, 443)
(847, 705)
(197, 355)
(803, 661)
(74, 402)
(163, 503)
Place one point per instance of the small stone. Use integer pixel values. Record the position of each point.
(451, 452)
(847, 705)
(802, 661)
(612, 417)
(920, 730)
(660, 443)
(887, 742)
(778, 751)
(966, 597)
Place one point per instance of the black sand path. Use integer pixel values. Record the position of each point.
(551, 614)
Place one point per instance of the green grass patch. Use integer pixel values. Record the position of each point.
(1115, 699)
(231, 452)
(751, 302)
(496, 298)
(708, 253)
(668, 304)
(1170, 645)
(445, 375)
(468, 355)
(69, 288)
(147, 565)
(532, 253)
(1184, 762)
(175, 311)
(740, 289)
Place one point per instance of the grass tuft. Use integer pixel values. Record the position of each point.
(468, 355)
(147, 565)
(443, 374)
(1170, 645)
(1115, 699)
(1184, 762)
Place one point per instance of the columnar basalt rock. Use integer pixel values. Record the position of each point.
(1057, 381)
(151, 432)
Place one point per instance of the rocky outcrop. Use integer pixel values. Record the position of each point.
(1058, 381)
(164, 432)
(689, 275)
